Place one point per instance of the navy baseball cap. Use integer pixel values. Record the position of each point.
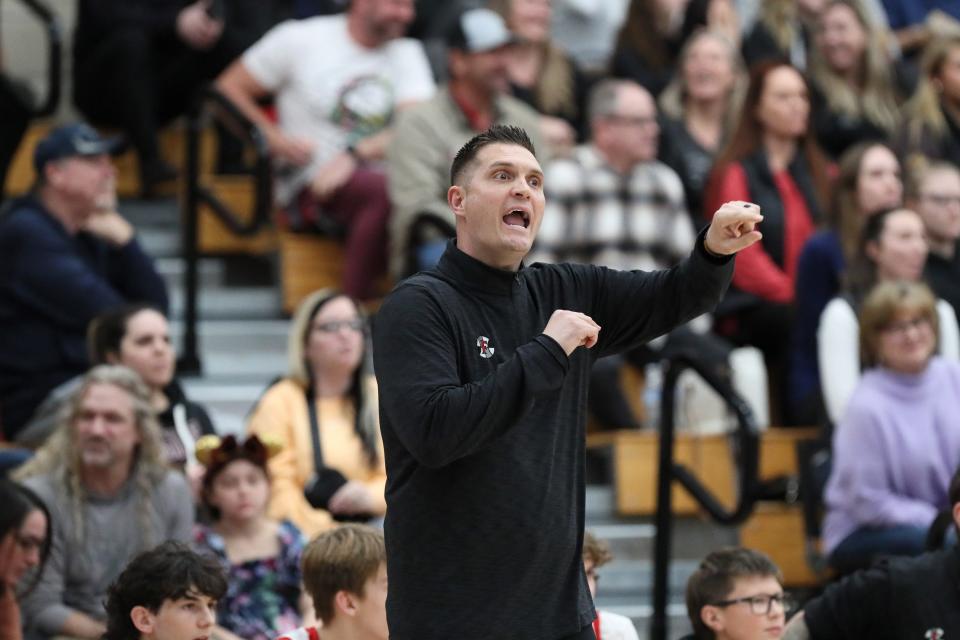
(477, 31)
(78, 139)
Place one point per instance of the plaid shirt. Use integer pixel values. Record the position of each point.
(595, 215)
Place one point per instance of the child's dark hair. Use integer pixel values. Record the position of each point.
(497, 134)
(169, 571)
(713, 581)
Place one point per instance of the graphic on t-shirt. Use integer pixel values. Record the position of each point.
(364, 106)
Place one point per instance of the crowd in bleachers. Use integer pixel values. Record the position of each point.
(840, 119)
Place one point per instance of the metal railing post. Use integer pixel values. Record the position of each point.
(748, 453)
(189, 362)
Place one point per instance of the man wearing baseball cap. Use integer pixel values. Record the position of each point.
(428, 136)
(66, 255)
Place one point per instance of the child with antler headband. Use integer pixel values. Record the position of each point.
(261, 556)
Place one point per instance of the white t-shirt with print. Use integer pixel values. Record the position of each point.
(330, 89)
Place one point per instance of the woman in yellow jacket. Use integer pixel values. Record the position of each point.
(324, 412)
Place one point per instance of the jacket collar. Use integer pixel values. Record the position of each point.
(466, 270)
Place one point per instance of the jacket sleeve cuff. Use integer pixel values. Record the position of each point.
(701, 249)
(545, 364)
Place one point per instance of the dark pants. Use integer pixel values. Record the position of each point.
(362, 206)
(859, 549)
(14, 118)
(138, 82)
(766, 326)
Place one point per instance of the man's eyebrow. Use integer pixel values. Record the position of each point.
(500, 164)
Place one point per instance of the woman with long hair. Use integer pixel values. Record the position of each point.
(868, 181)
(932, 115)
(892, 248)
(24, 548)
(542, 74)
(700, 107)
(772, 160)
(896, 447)
(324, 414)
(853, 77)
(654, 32)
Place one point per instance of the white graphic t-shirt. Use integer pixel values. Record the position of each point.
(331, 90)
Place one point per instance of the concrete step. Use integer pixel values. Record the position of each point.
(233, 303)
(159, 242)
(210, 272)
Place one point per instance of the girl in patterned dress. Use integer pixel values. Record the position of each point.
(261, 556)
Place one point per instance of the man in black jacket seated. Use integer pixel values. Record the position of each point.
(66, 255)
(897, 598)
(482, 399)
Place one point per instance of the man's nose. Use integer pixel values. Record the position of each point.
(521, 188)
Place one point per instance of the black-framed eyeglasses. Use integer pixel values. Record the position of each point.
(357, 324)
(761, 605)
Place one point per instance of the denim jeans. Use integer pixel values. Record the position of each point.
(864, 545)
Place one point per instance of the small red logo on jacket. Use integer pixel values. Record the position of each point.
(483, 343)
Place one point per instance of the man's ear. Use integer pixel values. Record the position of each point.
(345, 602)
(143, 619)
(712, 617)
(956, 516)
(456, 198)
(111, 357)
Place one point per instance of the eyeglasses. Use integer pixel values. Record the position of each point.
(761, 605)
(357, 324)
(941, 200)
(901, 328)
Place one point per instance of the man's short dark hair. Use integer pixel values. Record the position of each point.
(170, 571)
(713, 581)
(497, 134)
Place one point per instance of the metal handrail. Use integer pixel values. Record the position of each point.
(747, 447)
(212, 102)
(54, 34)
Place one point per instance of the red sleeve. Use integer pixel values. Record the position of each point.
(755, 271)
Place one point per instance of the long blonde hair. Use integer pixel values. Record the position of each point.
(673, 97)
(363, 387)
(923, 112)
(875, 99)
(554, 90)
(59, 457)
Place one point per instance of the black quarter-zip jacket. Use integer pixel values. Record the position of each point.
(483, 421)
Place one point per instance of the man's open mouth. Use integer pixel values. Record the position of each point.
(517, 218)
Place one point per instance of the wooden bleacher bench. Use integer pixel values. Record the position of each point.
(775, 528)
(21, 175)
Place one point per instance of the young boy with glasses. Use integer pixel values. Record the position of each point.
(737, 594)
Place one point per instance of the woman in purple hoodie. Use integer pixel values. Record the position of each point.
(898, 444)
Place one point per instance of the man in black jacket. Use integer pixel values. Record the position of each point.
(896, 598)
(482, 396)
(137, 64)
